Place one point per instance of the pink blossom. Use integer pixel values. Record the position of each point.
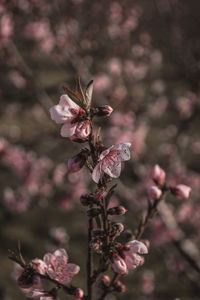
(181, 191)
(118, 264)
(154, 192)
(39, 266)
(158, 175)
(65, 113)
(58, 267)
(110, 161)
(132, 258)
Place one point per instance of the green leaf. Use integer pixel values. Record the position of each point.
(88, 94)
(74, 96)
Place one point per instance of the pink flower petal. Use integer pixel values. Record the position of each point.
(113, 169)
(96, 174)
(137, 247)
(68, 129)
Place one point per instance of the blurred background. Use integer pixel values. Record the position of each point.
(144, 57)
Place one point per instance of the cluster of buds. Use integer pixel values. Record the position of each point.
(116, 210)
(158, 175)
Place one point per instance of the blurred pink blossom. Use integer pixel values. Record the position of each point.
(158, 175)
(154, 192)
(181, 191)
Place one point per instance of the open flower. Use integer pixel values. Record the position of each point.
(131, 256)
(69, 114)
(58, 267)
(110, 161)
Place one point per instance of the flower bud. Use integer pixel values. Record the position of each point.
(119, 287)
(158, 175)
(105, 280)
(154, 192)
(181, 191)
(103, 111)
(28, 278)
(87, 199)
(79, 293)
(117, 229)
(93, 212)
(118, 264)
(117, 210)
(77, 162)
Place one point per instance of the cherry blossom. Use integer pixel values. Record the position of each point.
(58, 267)
(132, 258)
(118, 264)
(110, 161)
(66, 113)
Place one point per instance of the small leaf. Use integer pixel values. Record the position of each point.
(73, 96)
(79, 91)
(88, 94)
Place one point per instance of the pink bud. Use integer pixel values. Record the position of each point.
(103, 111)
(181, 191)
(118, 264)
(154, 192)
(77, 162)
(79, 293)
(117, 210)
(106, 280)
(120, 287)
(158, 175)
